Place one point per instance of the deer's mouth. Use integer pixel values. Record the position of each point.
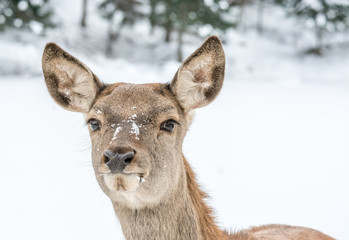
(127, 182)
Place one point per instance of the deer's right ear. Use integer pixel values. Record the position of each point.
(71, 84)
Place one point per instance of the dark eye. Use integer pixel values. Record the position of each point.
(168, 125)
(94, 124)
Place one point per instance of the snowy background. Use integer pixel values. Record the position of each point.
(272, 148)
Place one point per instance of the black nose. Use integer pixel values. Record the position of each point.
(117, 161)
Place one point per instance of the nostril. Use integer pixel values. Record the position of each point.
(128, 161)
(106, 159)
(107, 156)
(127, 157)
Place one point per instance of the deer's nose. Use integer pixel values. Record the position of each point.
(118, 159)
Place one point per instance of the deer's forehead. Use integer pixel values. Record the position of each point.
(124, 100)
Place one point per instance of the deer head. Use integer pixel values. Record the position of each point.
(136, 130)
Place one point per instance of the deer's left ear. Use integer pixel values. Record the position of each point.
(200, 78)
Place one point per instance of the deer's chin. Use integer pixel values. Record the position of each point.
(119, 182)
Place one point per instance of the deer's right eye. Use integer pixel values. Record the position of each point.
(95, 125)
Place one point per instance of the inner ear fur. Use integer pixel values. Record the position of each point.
(200, 78)
(71, 84)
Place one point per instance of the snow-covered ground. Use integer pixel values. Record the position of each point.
(272, 148)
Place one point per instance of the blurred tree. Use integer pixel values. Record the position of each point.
(160, 16)
(183, 16)
(260, 12)
(119, 13)
(25, 14)
(325, 16)
(84, 13)
(240, 5)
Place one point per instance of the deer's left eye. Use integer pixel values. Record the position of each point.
(95, 125)
(168, 125)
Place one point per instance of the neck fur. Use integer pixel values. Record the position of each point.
(208, 228)
(184, 215)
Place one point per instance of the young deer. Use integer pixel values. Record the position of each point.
(137, 132)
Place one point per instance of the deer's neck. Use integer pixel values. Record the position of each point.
(184, 216)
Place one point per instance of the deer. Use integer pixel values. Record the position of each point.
(137, 132)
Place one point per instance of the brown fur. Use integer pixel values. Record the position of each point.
(108, 89)
(156, 196)
(209, 230)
